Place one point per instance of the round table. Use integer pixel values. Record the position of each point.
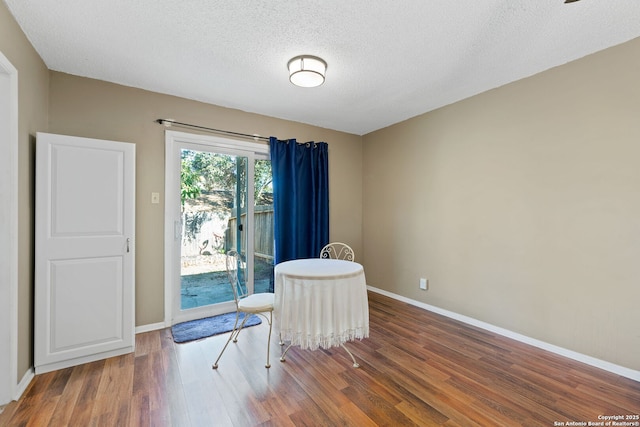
(321, 302)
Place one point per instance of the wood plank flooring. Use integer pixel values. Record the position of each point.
(417, 368)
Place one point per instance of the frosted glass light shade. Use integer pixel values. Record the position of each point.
(307, 71)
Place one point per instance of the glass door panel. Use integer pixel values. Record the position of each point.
(213, 193)
(263, 226)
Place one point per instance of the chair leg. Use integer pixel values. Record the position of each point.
(268, 365)
(237, 332)
(215, 364)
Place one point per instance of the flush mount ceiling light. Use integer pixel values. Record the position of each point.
(307, 71)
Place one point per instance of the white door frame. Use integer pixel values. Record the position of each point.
(172, 229)
(8, 230)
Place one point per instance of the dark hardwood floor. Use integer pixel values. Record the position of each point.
(417, 368)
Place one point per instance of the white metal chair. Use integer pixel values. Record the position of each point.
(338, 250)
(260, 304)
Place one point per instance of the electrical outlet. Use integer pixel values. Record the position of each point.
(424, 284)
(155, 198)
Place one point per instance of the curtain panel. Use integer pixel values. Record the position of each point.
(300, 198)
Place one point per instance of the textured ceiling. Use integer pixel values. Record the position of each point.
(387, 60)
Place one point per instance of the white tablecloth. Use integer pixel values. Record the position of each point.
(321, 302)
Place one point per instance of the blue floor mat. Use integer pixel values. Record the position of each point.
(209, 326)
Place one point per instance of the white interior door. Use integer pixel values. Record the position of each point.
(84, 272)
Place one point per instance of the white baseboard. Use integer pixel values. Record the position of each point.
(24, 383)
(579, 357)
(150, 327)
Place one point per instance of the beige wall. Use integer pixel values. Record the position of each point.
(520, 205)
(96, 109)
(33, 82)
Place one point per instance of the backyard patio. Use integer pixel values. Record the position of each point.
(204, 280)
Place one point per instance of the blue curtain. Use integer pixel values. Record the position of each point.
(300, 198)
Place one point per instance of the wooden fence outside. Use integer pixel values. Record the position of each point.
(263, 240)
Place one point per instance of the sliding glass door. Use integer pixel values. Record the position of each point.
(225, 203)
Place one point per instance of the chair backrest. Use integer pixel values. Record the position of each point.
(235, 263)
(338, 250)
